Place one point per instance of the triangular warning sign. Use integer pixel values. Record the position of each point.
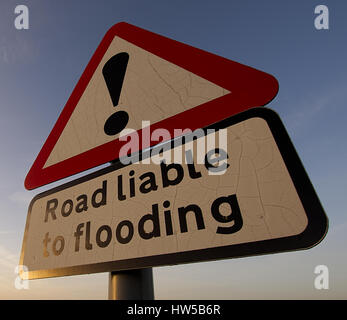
(134, 76)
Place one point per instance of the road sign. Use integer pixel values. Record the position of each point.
(248, 195)
(136, 75)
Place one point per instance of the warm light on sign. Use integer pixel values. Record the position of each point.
(137, 75)
(247, 194)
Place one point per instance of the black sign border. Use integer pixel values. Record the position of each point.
(314, 232)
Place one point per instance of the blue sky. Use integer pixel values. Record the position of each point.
(39, 68)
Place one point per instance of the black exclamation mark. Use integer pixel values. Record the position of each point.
(114, 73)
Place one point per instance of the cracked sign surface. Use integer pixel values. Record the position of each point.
(152, 78)
(153, 89)
(140, 215)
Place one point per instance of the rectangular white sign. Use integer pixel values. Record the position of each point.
(248, 195)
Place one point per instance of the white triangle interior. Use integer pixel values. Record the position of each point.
(153, 89)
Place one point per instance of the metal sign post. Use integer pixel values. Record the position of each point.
(131, 285)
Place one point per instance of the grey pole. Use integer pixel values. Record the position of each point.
(131, 285)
